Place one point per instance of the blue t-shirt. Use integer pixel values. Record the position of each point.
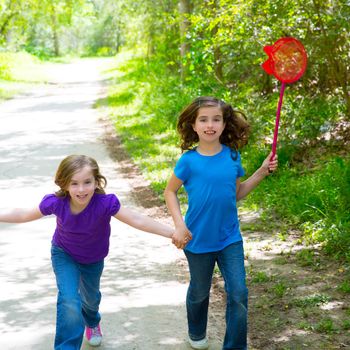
(210, 182)
(84, 236)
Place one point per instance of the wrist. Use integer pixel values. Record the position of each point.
(180, 224)
(171, 234)
(262, 172)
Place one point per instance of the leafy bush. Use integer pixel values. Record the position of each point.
(5, 65)
(315, 200)
(311, 193)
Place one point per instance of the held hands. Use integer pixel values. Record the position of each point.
(181, 237)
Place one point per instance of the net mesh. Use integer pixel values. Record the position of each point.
(287, 60)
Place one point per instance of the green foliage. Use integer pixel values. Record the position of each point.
(20, 66)
(312, 300)
(306, 257)
(5, 66)
(19, 72)
(315, 194)
(326, 325)
(280, 289)
(346, 325)
(316, 200)
(225, 42)
(306, 326)
(259, 277)
(345, 287)
(144, 115)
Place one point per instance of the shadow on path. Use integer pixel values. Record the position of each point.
(143, 285)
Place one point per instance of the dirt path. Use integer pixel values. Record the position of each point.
(144, 281)
(298, 299)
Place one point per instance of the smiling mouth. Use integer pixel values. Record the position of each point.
(82, 196)
(209, 132)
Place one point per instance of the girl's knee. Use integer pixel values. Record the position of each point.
(91, 301)
(198, 294)
(69, 305)
(238, 296)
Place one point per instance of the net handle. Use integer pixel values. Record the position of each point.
(278, 113)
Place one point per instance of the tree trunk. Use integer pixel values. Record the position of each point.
(54, 27)
(218, 60)
(185, 10)
(5, 24)
(218, 64)
(336, 67)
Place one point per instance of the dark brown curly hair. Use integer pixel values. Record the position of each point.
(235, 134)
(70, 165)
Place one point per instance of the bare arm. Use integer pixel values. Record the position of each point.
(20, 215)
(143, 222)
(182, 234)
(245, 187)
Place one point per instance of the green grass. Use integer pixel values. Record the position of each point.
(312, 300)
(259, 277)
(346, 325)
(314, 200)
(144, 119)
(344, 287)
(21, 71)
(306, 257)
(325, 325)
(279, 289)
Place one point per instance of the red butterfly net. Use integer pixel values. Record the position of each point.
(287, 62)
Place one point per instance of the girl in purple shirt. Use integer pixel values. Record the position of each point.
(80, 244)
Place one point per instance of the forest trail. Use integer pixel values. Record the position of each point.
(145, 278)
(144, 281)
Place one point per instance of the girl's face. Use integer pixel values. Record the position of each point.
(209, 124)
(81, 188)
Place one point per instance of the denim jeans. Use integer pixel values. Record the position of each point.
(231, 264)
(78, 298)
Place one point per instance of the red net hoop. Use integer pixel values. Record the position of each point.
(287, 60)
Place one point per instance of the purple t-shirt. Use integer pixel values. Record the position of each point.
(84, 236)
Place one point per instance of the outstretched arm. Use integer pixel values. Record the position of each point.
(268, 166)
(182, 234)
(143, 222)
(19, 215)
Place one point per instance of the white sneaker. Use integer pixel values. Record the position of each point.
(199, 344)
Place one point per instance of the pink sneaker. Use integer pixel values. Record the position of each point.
(94, 335)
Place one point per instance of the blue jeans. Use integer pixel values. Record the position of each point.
(231, 264)
(78, 298)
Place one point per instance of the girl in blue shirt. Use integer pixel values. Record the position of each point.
(210, 174)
